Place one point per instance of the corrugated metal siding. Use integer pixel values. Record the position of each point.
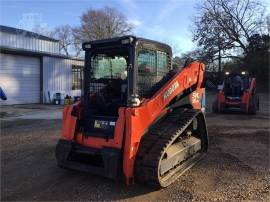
(57, 73)
(21, 41)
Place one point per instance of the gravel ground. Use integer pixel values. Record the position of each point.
(236, 167)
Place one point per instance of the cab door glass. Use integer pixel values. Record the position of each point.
(152, 67)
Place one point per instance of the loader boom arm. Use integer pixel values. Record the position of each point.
(151, 109)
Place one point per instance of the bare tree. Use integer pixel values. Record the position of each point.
(211, 39)
(77, 41)
(226, 25)
(103, 23)
(65, 35)
(235, 20)
(95, 24)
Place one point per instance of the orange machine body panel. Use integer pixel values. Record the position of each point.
(133, 122)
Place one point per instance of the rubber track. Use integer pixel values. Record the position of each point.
(156, 140)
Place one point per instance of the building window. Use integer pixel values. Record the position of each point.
(76, 77)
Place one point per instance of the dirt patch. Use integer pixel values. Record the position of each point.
(8, 114)
(15, 111)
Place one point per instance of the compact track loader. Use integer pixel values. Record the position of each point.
(237, 93)
(138, 119)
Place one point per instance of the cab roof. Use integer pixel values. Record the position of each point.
(117, 41)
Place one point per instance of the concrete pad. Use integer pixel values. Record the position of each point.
(48, 114)
(31, 111)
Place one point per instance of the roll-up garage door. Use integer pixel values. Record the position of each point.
(20, 79)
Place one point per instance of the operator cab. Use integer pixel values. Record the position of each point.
(235, 84)
(120, 72)
(108, 82)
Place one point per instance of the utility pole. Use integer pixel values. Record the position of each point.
(219, 58)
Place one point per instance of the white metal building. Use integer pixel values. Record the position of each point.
(32, 69)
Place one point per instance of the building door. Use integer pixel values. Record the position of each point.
(20, 79)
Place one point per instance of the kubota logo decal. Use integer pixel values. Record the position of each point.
(173, 87)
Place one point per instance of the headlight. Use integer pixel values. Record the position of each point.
(88, 46)
(227, 73)
(243, 73)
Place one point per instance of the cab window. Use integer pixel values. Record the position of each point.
(152, 67)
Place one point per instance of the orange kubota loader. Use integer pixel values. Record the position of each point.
(237, 93)
(138, 119)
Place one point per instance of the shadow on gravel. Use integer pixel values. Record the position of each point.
(238, 116)
(61, 185)
(30, 172)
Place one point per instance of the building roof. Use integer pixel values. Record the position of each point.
(18, 51)
(13, 30)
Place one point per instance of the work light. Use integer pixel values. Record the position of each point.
(127, 41)
(87, 46)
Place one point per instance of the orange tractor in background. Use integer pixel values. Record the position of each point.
(237, 93)
(138, 119)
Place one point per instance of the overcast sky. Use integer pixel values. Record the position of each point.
(163, 20)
